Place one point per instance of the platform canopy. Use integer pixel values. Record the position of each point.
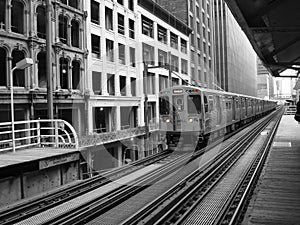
(273, 28)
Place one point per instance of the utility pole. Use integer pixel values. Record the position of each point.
(48, 59)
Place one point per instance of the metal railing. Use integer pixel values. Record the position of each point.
(109, 137)
(38, 133)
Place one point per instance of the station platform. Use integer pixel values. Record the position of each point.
(276, 198)
(26, 173)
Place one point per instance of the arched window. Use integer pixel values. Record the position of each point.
(2, 14)
(75, 33)
(63, 29)
(17, 17)
(64, 73)
(18, 75)
(42, 76)
(41, 22)
(3, 75)
(75, 75)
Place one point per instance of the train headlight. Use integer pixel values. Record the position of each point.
(167, 120)
(191, 120)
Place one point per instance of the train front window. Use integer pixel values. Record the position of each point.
(164, 108)
(194, 104)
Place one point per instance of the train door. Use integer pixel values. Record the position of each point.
(233, 108)
(219, 111)
(178, 108)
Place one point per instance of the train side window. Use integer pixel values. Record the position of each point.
(194, 104)
(205, 104)
(164, 108)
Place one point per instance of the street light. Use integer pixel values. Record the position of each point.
(21, 65)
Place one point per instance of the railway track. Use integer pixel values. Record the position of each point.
(25, 209)
(214, 195)
(102, 204)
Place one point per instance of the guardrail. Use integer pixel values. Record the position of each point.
(38, 133)
(108, 137)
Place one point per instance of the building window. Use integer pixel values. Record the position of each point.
(163, 82)
(72, 3)
(133, 86)
(184, 66)
(121, 26)
(18, 75)
(109, 50)
(2, 14)
(148, 54)
(123, 85)
(162, 35)
(3, 63)
(95, 46)
(150, 83)
(191, 21)
(199, 44)
(174, 63)
(17, 17)
(122, 54)
(175, 81)
(121, 2)
(96, 77)
(75, 75)
(111, 84)
(41, 22)
(183, 45)
(75, 33)
(132, 56)
(108, 19)
(174, 40)
(64, 73)
(131, 5)
(63, 29)
(42, 77)
(131, 28)
(95, 12)
(147, 26)
(162, 58)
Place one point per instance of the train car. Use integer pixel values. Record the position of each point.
(190, 115)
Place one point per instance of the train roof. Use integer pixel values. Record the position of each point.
(215, 91)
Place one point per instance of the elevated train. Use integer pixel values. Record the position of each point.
(191, 115)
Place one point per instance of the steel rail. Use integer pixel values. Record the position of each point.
(25, 209)
(169, 208)
(233, 212)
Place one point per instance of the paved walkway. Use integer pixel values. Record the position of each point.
(276, 199)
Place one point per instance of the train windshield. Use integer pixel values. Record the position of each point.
(164, 108)
(194, 104)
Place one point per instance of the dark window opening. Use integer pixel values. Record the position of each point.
(174, 40)
(122, 54)
(75, 33)
(162, 34)
(121, 26)
(2, 14)
(162, 58)
(147, 26)
(18, 75)
(110, 50)
(101, 115)
(111, 84)
(131, 5)
(63, 29)
(95, 46)
(3, 73)
(95, 16)
(164, 107)
(148, 54)
(163, 82)
(42, 77)
(96, 76)
(121, 2)
(75, 75)
(194, 104)
(174, 63)
(123, 85)
(41, 22)
(131, 28)
(132, 56)
(64, 73)
(108, 19)
(74, 4)
(133, 86)
(17, 17)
